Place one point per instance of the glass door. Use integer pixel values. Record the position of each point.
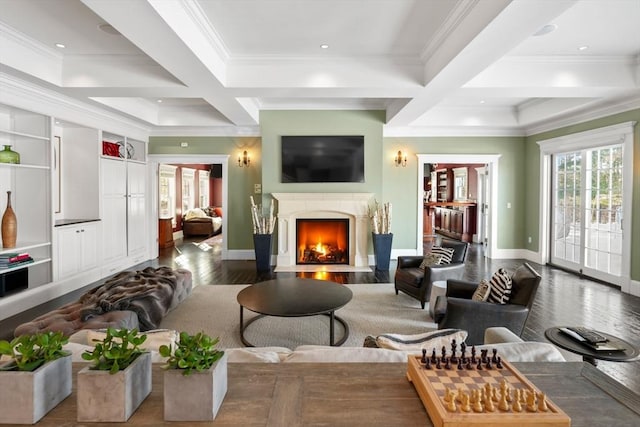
(587, 207)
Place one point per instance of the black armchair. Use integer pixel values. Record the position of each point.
(456, 309)
(416, 282)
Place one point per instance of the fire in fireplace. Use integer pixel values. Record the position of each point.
(322, 241)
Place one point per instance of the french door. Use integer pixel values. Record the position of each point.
(589, 198)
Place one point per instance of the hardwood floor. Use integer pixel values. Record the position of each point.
(562, 299)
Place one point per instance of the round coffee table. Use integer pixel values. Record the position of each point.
(629, 354)
(295, 297)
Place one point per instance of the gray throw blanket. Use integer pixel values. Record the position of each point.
(150, 293)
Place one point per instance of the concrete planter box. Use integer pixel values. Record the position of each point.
(26, 397)
(197, 396)
(104, 397)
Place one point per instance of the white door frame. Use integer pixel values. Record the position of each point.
(491, 160)
(153, 163)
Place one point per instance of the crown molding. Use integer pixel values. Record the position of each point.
(449, 131)
(457, 15)
(32, 97)
(592, 112)
(213, 131)
(28, 43)
(199, 17)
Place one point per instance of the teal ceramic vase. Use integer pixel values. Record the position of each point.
(9, 156)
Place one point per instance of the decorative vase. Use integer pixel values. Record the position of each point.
(9, 156)
(9, 225)
(262, 247)
(382, 250)
(26, 397)
(197, 396)
(106, 397)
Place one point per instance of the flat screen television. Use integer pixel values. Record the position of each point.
(327, 158)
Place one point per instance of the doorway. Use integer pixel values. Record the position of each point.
(153, 164)
(491, 188)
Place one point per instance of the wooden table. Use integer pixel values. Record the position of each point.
(295, 297)
(366, 394)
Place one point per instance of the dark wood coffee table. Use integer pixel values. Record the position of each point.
(295, 297)
(629, 354)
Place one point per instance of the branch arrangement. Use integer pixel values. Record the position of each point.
(262, 224)
(380, 216)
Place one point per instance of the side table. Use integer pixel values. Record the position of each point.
(439, 287)
(165, 233)
(629, 354)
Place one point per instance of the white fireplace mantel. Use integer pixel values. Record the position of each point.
(353, 206)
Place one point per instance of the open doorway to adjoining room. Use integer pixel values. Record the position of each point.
(191, 200)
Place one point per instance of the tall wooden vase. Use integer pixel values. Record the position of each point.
(9, 225)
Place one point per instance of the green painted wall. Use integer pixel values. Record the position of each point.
(533, 182)
(401, 183)
(241, 180)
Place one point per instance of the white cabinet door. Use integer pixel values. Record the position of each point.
(136, 182)
(68, 251)
(77, 248)
(114, 209)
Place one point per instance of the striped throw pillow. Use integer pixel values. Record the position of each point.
(446, 254)
(429, 340)
(500, 287)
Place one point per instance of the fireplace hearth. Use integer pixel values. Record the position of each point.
(322, 241)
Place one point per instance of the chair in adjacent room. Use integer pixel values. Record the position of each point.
(457, 309)
(417, 282)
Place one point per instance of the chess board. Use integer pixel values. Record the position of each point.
(432, 385)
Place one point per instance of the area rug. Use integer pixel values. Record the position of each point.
(375, 309)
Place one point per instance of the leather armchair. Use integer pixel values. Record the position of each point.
(456, 309)
(416, 282)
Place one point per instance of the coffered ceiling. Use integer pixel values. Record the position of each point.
(437, 67)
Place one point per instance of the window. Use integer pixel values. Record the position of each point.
(203, 188)
(167, 193)
(188, 189)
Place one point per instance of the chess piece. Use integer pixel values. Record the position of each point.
(444, 352)
(447, 364)
(451, 406)
(473, 354)
(474, 396)
(460, 367)
(483, 355)
(469, 365)
(477, 407)
(494, 358)
(424, 356)
(531, 402)
(517, 407)
(466, 407)
(503, 405)
(438, 365)
(499, 363)
(433, 356)
(447, 395)
(494, 394)
(460, 395)
(489, 406)
(542, 403)
(427, 364)
(479, 366)
(488, 365)
(454, 358)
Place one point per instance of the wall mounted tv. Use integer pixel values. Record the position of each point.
(327, 158)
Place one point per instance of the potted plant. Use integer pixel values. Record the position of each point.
(195, 381)
(118, 379)
(35, 379)
(381, 234)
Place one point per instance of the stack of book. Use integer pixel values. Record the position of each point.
(14, 259)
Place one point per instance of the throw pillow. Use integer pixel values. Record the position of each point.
(445, 253)
(430, 340)
(500, 287)
(482, 291)
(430, 259)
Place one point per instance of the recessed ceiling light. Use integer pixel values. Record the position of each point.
(482, 101)
(324, 46)
(583, 48)
(549, 28)
(60, 45)
(159, 100)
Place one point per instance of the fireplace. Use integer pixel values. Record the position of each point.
(322, 241)
(350, 208)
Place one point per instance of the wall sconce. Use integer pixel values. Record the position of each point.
(243, 159)
(401, 159)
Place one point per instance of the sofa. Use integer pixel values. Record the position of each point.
(202, 222)
(509, 346)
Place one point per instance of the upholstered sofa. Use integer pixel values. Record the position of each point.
(509, 346)
(202, 222)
